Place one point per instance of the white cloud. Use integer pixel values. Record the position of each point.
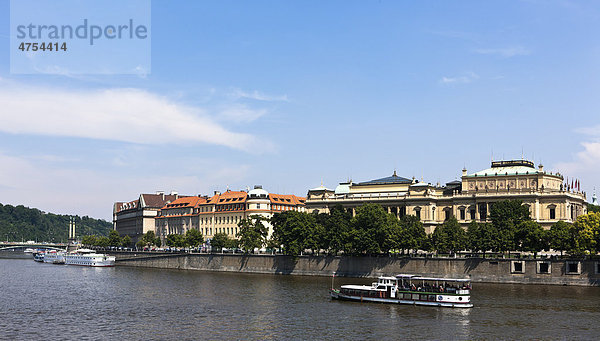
(592, 131)
(587, 160)
(468, 78)
(585, 164)
(128, 115)
(54, 187)
(506, 52)
(259, 96)
(240, 113)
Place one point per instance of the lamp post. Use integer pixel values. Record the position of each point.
(332, 277)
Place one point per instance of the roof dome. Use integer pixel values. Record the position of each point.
(258, 192)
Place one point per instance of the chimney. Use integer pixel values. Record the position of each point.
(464, 171)
(541, 168)
(217, 193)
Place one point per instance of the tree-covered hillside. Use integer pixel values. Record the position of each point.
(19, 223)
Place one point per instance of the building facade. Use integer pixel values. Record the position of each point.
(549, 199)
(222, 212)
(134, 218)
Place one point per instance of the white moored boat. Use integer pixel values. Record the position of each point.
(410, 289)
(88, 257)
(54, 257)
(38, 255)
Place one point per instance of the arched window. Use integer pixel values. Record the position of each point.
(552, 211)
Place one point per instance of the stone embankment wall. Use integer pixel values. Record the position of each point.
(559, 272)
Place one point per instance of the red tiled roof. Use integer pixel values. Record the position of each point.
(286, 199)
(185, 202)
(233, 196)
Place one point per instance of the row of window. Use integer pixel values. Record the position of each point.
(545, 267)
(208, 231)
(221, 220)
(472, 213)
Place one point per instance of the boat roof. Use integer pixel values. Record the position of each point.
(443, 279)
(359, 287)
(404, 276)
(85, 251)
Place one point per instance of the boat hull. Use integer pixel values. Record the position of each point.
(340, 296)
(90, 260)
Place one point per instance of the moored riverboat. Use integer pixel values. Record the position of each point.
(38, 255)
(54, 257)
(86, 257)
(410, 289)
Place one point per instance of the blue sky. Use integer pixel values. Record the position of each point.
(291, 93)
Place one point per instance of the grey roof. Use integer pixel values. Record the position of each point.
(394, 179)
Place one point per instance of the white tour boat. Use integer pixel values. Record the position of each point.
(38, 255)
(88, 257)
(410, 289)
(54, 257)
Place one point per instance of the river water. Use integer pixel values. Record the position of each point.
(45, 301)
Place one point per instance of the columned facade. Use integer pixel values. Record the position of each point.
(549, 199)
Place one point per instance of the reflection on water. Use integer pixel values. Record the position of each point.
(53, 301)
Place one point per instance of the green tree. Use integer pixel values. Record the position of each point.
(113, 238)
(19, 222)
(482, 237)
(292, 230)
(412, 233)
(506, 215)
(593, 208)
(102, 241)
(176, 240)
(126, 241)
(337, 229)
(273, 244)
(318, 238)
(232, 243)
(194, 238)
(252, 233)
(559, 237)
(89, 240)
(372, 229)
(530, 237)
(585, 233)
(148, 239)
(449, 236)
(219, 241)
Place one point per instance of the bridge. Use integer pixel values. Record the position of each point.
(6, 246)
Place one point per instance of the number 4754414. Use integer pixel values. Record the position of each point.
(43, 46)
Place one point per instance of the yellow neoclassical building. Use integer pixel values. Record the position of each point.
(549, 199)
